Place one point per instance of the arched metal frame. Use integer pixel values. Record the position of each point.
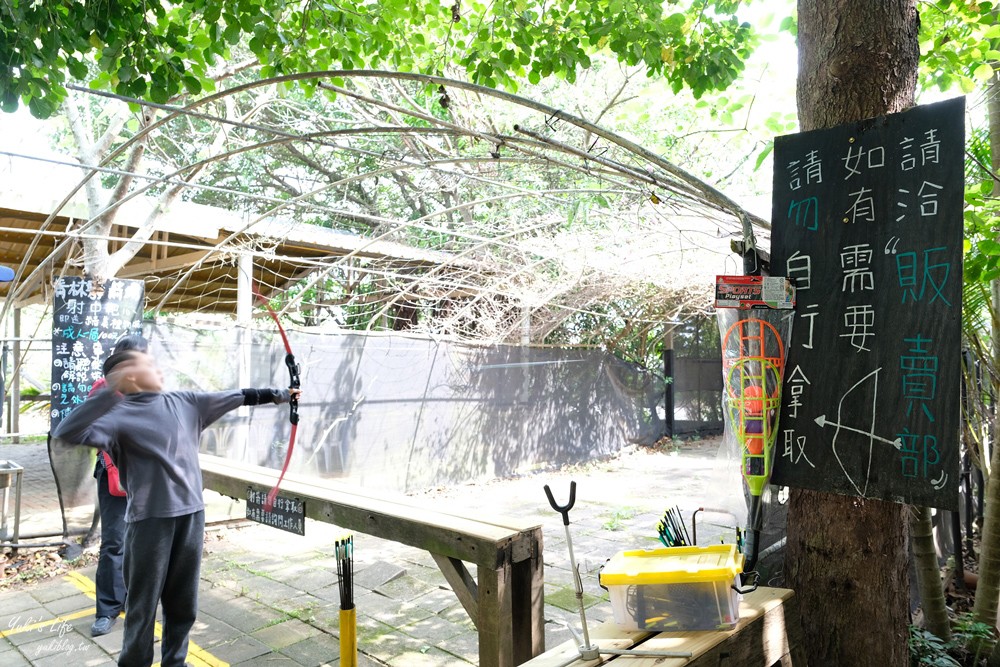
(491, 279)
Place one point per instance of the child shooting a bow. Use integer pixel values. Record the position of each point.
(154, 437)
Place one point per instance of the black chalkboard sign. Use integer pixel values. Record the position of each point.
(288, 514)
(867, 219)
(85, 325)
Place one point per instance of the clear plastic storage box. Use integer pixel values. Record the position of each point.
(675, 589)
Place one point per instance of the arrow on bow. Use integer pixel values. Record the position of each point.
(294, 382)
(823, 421)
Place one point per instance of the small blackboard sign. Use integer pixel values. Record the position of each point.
(867, 220)
(288, 514)
(86, 322)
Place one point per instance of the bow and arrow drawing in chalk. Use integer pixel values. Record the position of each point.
(845, 437)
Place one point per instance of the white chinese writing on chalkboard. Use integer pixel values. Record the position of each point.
(286, 514)
(867, 221)
(85, 325)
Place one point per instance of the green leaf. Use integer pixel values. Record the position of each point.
(990, 275)
(989, 248)
(232, 33)
(41, 107)
(101, 81)
(158, 93)
(973, 271)
(213, 12)
(137, 88)
(763, 155)
(572, 214)
(983, 73)
(76, 68)
(201, 40)
(675, 22)
(192, 85)
(9, 103)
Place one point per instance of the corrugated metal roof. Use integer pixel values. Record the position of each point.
(187, 237)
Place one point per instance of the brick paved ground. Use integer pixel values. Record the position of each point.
(39, 514)
(270, 598)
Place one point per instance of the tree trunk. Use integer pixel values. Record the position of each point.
(988, 587)
(985, 607)
(929, 573)
(847, 557)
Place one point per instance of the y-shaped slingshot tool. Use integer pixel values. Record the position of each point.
(586, 650)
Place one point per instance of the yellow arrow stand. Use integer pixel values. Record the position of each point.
(348, 637)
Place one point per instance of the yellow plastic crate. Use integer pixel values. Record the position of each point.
(675, 589)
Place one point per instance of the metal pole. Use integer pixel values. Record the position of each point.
(668, 375)
(15, 381)
(244, 317)
(587, 651)
(578, 582)
(4, 396)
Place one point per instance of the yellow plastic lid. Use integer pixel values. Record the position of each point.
(674, 565)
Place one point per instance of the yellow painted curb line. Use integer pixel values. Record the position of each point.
(88, 587)
(45, 624)
(197, 656)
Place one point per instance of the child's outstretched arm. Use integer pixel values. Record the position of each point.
(213, 405)
(84, 426)
(267, 395)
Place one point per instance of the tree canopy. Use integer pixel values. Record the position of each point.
(156, 51)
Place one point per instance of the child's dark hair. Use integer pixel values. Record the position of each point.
(131, 342)
(118, 358)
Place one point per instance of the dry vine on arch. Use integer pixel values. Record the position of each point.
(391, 201)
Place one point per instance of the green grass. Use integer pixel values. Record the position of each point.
(618, 517)
(565, 598)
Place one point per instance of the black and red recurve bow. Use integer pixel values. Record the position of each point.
(294, 382)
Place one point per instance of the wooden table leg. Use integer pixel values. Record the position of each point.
(496, 631)
(528, 603)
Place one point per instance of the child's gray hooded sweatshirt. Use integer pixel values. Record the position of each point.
(154, 439)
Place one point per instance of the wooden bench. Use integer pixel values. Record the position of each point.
(505, 603)
(769, 633)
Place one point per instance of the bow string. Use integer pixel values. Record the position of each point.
(294, 382)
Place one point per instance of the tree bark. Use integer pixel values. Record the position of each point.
(985, 608)
(988, 588)
(856, 60)
(846, 557)
(929, 573)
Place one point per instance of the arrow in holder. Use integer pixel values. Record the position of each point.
(823, 421)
